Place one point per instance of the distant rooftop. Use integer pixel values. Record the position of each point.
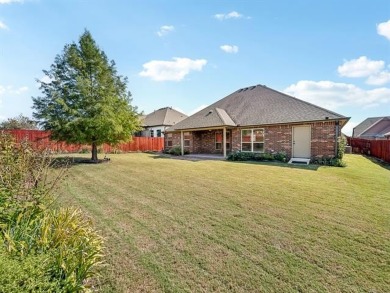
(165, 117)
(372, 127)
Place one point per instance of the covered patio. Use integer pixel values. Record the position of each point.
(206, 142)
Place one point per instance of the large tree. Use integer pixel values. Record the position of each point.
(84, 99)
(19, 122)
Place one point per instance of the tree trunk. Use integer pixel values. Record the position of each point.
(94, 152)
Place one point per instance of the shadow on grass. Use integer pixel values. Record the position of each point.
(377, 161)
(67, 161)
(310, 167)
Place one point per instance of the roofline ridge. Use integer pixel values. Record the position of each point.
(373, 124)
(365, 129)
(306, 102)
(165, 116)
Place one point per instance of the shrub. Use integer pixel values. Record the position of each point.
(248, 156)
(341, 144)
(63, 240)
(25, 182)
(175, 151)
(328, 161)
(25, 274)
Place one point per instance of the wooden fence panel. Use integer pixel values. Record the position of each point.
(41, 139)
(376, 148)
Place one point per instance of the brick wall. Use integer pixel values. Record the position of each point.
(323, 136)
(277, 138)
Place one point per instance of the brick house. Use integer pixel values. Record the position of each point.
(158, 121)
(259, 119)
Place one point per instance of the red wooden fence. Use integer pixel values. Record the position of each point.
(41, 139)
(376, 148)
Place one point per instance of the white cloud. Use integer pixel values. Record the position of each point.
(10, 1)
(380, 78)
(175, 70)
(233, 14)
(3, 26)
(18, 91)
(10, 90)
(229, 48)
(364, 67)
(361, 67)
(383, 29)
(332, 95)
(165, 29)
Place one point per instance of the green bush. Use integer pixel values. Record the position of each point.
(341, 144)
(25, 274)
(328, 161)
(248, 156)
(175, 151)
(63, 240)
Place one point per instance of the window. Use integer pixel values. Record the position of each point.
(219, 139)
(158, 132)
(169, 139)
(151, 133)
(187, 138)
(252, 140)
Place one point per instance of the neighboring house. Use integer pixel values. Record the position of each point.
(259, 119)
(373, 128)
(156, 122)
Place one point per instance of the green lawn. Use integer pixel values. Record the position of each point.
(204, 226)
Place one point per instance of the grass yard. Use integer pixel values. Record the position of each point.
(215, 226)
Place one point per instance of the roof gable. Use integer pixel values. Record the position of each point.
(257, 105)
(378, 129)
(164, 116)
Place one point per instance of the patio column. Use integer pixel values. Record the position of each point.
(224, 142)
(182, 142)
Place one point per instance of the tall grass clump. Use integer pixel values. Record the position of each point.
(51, 250)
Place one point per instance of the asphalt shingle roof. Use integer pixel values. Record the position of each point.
(256, 105)
(164, 116)
(364, 126)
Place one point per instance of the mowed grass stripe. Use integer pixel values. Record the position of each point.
(221, 226)
(157, 235)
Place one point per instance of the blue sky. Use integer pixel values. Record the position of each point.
(188, 54)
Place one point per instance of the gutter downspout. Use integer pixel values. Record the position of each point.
(337, 137)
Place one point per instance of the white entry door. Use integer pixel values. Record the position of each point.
(302, 141)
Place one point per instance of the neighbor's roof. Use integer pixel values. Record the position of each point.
(256, 105)
(164, 116)
(373, 126)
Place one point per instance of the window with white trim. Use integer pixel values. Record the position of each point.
(158, 132)
(252, 140)
(151, 133)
